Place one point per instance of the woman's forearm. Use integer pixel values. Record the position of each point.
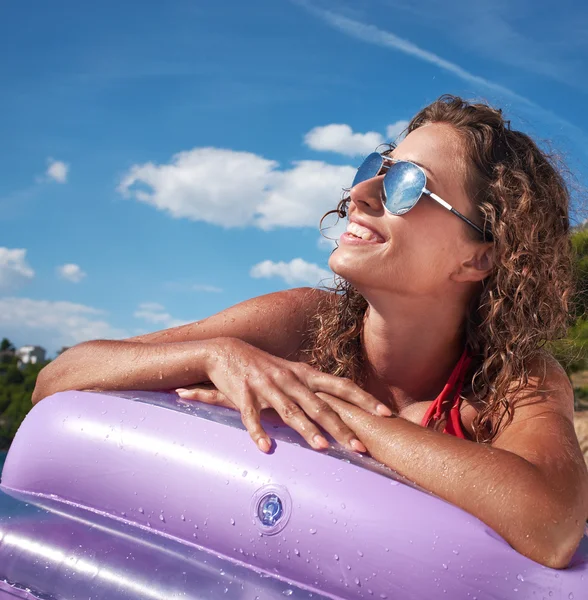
(113, 365)
(499, 487)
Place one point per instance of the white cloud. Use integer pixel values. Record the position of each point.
(297, 271)
(341, 138)
(57, 170)
(233, 189)
(155, 313)
(393, 131)
(14, 270)
(213, 185)
(53, 324)
(302, 195)
(71, 272)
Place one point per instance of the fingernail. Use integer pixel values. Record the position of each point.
(320, 441)
(383, 410)
(181, 392)
(264, 444)
(357, 446)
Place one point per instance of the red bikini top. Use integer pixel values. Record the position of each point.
(448, 404)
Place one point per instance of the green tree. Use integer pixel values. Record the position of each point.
(580, 244)
(6, 346)
(16, 388)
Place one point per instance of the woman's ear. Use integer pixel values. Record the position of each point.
(478, 266)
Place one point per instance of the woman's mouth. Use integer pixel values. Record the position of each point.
(358, 234)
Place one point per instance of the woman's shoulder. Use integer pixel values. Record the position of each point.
(542, 407)
(548, 382)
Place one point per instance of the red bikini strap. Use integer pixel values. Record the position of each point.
(453, 425)
(435, 411)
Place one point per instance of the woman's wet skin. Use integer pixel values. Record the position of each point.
(419, 279)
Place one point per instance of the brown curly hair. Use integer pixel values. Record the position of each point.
(525, 302)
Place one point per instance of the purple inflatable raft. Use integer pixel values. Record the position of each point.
(146, 496)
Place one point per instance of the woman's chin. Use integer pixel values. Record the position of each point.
(345, 265)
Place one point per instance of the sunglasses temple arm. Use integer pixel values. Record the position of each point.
(455, 212)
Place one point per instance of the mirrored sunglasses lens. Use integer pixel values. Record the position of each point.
(369, 168)
(403, 184)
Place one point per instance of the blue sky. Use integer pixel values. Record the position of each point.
(161, 161)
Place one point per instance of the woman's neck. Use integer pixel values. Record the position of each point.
(411, 348)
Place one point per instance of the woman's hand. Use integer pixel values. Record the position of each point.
(249, 380)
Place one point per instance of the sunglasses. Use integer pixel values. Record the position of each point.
(404, 183)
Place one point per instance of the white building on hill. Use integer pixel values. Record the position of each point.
(30, 355)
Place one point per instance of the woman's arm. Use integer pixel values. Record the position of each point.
(248, 352)
(530, 486)
(172, 358)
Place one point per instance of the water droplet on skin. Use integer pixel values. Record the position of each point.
(359, 553)
(141, 510)
(343, 506)
(357, 582)
(162, 518)
(232, 521)
(312, 531)
(336, 557)
(445, 566)
(244, 474)
(183, 517)
(520, 577)
(571, 596)
(296, 551)
(287, 592)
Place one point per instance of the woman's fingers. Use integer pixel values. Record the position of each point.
(208, 393)
(205, 393)
(251, 419)
(347, 390)
(293, 416)
(329, 420)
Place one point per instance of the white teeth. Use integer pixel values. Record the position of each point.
(360, 232)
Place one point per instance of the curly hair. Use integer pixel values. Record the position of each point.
(524, 303)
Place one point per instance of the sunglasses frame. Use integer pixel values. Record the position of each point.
(486, 236)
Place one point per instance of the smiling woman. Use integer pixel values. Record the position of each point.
(455, 270)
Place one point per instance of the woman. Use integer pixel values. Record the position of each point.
(429, 353)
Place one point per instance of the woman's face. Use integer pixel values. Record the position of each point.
(420, 250)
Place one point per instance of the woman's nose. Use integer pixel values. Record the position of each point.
(369, 194)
